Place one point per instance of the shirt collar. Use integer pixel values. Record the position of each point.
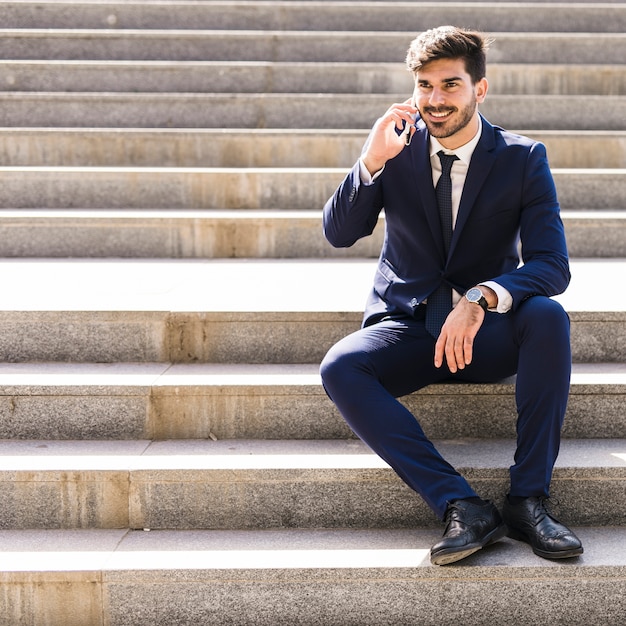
(464, 152)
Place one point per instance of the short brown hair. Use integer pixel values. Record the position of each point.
(450, 42)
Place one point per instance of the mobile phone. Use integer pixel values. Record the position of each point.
(407, 130)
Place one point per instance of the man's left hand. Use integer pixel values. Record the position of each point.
(456, 340)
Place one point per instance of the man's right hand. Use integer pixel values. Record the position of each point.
(384, 142)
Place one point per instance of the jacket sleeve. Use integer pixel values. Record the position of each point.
(544, 268)
(352, 211)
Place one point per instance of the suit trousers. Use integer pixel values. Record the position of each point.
(365, 373)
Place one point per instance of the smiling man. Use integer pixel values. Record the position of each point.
(452, 299)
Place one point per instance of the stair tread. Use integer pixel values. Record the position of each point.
(274, 147)
(578, 171)
(578, 458)
(373, 46)
(245, 188)
(105, 378)
(306, 16)
(187, 554)
(126, 401)
(287, 110)
(283, 76)
(177, 215)
(239, 286)
(235, 234)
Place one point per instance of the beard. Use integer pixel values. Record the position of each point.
(451, 126)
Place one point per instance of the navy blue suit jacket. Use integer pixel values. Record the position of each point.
(509, 197)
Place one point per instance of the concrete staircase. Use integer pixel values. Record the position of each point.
(168, 455)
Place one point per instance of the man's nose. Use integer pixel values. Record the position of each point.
(436, 97)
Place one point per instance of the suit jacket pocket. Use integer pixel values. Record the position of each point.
(384, 278)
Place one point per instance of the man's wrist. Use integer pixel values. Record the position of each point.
(364, 174)
(373, 166)
(475, 296)
(490, 296)
(482, 295)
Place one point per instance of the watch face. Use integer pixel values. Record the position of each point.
(474, 294)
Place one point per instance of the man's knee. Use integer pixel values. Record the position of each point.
(542, 319)
(329, 368)
(346, 367)
(335, 368)
(544, 312)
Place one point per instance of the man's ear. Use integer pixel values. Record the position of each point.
(481, 88)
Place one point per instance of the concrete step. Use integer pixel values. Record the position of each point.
(220, 147)
(221, 311)
(97, 401)
(131, 233)
(286, 577)
(320, 110)
(312, 16)
(163, 234)
(306, 46)
(259, 484)
(239, 188)
(267, 77)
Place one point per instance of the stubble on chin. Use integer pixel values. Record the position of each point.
(449, 127)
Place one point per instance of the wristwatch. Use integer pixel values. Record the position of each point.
(475, 295)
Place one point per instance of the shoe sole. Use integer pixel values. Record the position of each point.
(563, 554)
(445, 557)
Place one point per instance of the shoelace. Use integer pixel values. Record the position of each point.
(546, 503)
(452, 515)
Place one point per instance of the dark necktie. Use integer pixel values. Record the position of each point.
(439, 302)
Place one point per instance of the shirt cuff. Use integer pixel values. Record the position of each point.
(366, 177)
(505, 299)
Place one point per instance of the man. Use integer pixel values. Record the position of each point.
(451, 301)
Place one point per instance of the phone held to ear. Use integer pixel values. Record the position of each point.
(406, 132)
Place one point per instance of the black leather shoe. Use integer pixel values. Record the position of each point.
(531, 522)
(469, 528)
